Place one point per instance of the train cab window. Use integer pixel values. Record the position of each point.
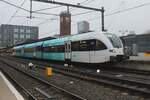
(100, 45)
(116, 42)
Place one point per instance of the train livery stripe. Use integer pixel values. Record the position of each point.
(147, 54)
(54, 56)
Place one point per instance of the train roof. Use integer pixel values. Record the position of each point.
(61, 40)
(58, 41)
(30, 45)
(29, 41)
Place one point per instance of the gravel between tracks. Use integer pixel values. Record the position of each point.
(89, 90)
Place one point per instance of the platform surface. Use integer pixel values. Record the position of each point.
(7, 90)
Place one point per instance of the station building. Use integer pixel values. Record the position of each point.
(13, 34)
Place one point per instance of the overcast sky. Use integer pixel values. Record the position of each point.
(133, 20)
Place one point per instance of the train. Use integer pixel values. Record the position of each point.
(90, 48)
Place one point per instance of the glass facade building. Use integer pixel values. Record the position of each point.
(13, 34)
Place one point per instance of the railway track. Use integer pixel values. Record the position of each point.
(132, 83)
(35, 87)
(105, 67)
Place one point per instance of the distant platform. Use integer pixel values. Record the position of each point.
(7, 90)
(141, 57)
(137, 64)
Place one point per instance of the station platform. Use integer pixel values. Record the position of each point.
(141, 57)
(7, 90)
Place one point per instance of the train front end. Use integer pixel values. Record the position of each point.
(117, 49)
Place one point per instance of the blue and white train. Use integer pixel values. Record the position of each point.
(92, 47)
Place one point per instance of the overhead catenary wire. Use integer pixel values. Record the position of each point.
(15, 5)
(28, 10)
(117, 12)
(128, 9)
(74, 14)
(40, 12)
(59, 6)
(85, 1)
(119, 8)
(34, 17)
(16, 11)
(48, 8)
(82, 13)
(45, 21)
(120, 11)
(45, 13)
(36, 11)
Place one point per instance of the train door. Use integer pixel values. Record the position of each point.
(67, 53)
(98, 52)
(39, 50)
(34, 53)
(22, 51)
(92, 46)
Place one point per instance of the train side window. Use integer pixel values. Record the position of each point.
(100, 45)
(92, 44)
(84, 45)
(29, 50)
(88, 45)
(53, 49)
(38, 48)
(60, 48)
(75, 46)
(18, 50)
(46, 49)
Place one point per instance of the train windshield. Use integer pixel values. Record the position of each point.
(115, 40)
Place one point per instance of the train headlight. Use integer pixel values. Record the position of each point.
(113, 51)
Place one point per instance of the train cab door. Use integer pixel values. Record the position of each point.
(67, 53)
